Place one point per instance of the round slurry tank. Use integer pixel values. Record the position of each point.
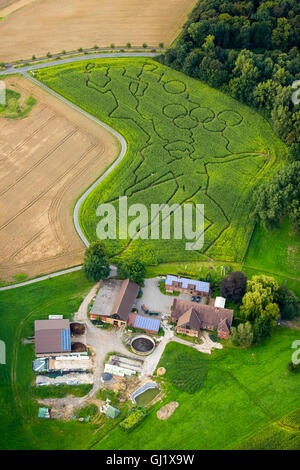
(106, 377)
(142, 344)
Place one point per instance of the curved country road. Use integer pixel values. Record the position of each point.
(24, 71)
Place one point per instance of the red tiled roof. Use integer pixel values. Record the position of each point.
(185, 312)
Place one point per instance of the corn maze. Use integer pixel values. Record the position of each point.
(187, 143)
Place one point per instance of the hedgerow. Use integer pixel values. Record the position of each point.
(133, 419)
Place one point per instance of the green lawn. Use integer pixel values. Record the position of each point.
(276, 252)
(19, 425)
(237, 398)
(186, 142)
(13, 109)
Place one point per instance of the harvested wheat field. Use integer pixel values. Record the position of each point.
(7, 7)
(6, 3)
(53, 25)
(47, 160)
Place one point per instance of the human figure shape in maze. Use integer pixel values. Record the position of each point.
(172, 124)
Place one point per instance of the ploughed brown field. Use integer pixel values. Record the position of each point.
(47, 160)
(43, 26)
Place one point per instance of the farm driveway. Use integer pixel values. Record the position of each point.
(155, 300)
(102, 341)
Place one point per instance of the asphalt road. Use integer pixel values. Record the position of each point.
(24, 71)
(70, 60)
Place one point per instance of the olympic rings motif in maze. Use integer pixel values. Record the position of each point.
(185, 144)
(174, 123)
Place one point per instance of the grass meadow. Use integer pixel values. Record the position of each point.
(276, 253)
(239, 393)
(245, 390)
(187, 143)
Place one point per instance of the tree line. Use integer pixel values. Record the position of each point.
(261, 302)
(248, 49)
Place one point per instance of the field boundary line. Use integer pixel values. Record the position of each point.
(42, 278)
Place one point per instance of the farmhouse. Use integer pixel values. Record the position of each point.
(52, 337)
(187, 286)
(190, 318)
(116, 308)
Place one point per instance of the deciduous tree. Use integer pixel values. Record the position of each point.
(233, 286)
(133, 269)
(95, 266)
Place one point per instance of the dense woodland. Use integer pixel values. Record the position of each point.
(249, 49)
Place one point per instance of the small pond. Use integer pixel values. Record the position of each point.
(146, 397)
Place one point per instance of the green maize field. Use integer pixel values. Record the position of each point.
(186, 143)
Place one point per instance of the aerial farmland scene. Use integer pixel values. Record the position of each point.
(150, 227)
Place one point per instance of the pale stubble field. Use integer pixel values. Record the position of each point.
(52, 25)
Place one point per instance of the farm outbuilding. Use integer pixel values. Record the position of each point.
(186, 285)
(119, 371)
(114, 301)
(44, 413)
(110, 411)
(52, 337)
(220, 302)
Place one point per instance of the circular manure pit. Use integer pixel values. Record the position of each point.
(142, 345)
(106, 377)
